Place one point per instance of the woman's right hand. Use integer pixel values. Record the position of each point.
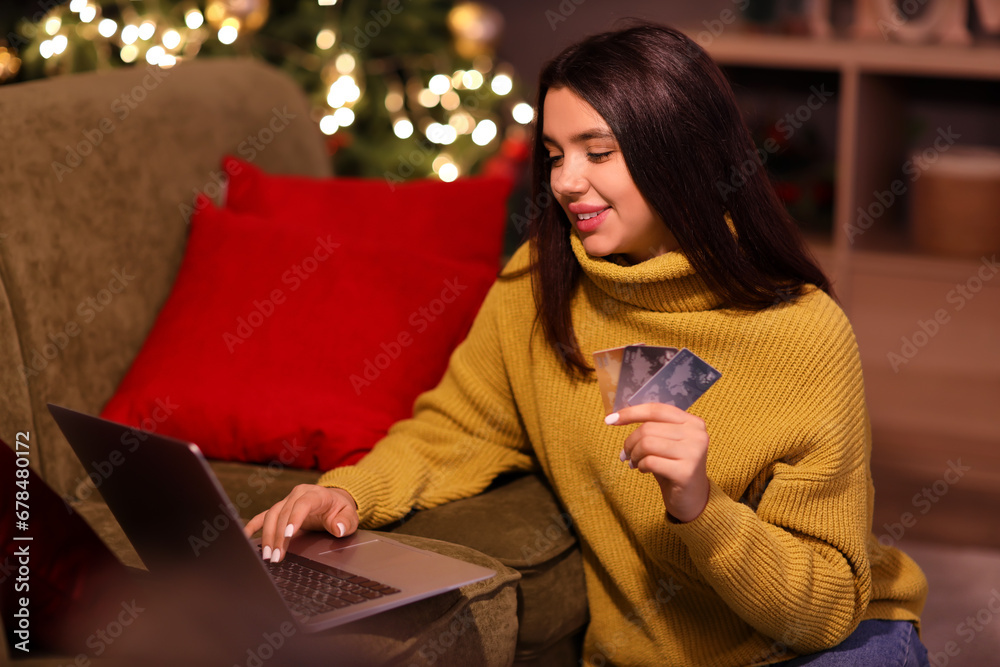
(307, 507)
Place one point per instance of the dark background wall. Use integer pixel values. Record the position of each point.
(531, 37)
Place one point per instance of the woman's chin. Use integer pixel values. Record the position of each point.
(596, 246)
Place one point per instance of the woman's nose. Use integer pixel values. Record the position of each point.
(569, 180)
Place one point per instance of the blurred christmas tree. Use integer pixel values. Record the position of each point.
(402, 88)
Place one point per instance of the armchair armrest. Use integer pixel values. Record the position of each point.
(518, 521)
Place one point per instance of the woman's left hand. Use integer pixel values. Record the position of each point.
(673, 445)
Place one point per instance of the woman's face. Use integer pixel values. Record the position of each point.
(593, 185)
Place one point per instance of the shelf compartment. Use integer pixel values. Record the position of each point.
(793, 120)
(876, 56)
(899, 116)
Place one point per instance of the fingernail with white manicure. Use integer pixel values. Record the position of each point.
(340, 527)
(622, 456)
(289, 530)
(611, 419)
(266, 553)
(276, 555)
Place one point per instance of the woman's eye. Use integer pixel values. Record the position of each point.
(594, 157)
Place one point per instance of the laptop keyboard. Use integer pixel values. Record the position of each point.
(312, 588)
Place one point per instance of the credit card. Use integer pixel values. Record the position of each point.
(680, 382)
(639, 364)
(608, 364)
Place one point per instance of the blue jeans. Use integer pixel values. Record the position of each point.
(874, 644)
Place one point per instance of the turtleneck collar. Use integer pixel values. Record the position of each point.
(667, 283)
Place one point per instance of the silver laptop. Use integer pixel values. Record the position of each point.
(177, 516)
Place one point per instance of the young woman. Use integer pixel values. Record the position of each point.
(659, 226)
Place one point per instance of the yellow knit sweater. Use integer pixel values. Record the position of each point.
(782, 559)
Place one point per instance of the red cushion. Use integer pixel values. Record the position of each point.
(302, 333)
(462, 220)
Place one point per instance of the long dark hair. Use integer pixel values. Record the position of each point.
(691, 156)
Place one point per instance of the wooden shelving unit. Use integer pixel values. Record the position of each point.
(943, 402)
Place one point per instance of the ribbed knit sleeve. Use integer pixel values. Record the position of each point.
(463, 433)
(796, 569)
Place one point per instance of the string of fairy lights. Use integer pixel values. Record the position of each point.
(443, 107)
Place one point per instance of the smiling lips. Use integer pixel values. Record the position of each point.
(588, 216)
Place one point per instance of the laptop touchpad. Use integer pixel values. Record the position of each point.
(374, 554)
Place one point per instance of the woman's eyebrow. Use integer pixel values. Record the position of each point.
(586, 135)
